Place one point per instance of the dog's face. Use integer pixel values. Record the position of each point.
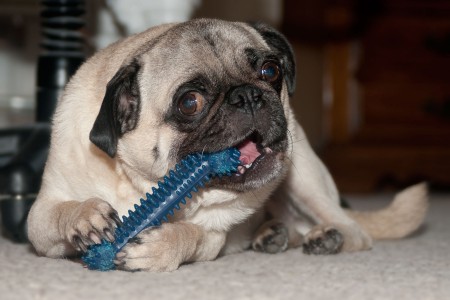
(202, 86)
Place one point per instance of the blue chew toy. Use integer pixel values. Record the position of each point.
(190, 174)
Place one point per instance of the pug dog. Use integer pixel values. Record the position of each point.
(136, 108)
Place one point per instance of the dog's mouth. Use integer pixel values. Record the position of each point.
(251, 150)
(260, 163)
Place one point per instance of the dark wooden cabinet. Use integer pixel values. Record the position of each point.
(402, 132)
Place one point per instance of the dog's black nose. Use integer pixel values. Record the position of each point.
(247, 98)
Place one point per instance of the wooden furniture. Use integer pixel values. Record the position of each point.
(389, 117)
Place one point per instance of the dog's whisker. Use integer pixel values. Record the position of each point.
(203, 150)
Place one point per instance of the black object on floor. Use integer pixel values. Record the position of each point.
(23, 151)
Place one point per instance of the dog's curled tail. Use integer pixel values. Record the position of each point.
(402, 217)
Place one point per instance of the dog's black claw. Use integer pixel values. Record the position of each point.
(136, 240)
(115, 217)
(135, 270)
(330, 243)
(79, 243)
(119, 263)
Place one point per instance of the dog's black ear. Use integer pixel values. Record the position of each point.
(279, 44)
(119, 111)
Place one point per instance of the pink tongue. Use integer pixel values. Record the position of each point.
(248, 152)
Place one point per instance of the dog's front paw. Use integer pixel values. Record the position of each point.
(323, 240)
(90, 222)
(272, 238)
(155, 249)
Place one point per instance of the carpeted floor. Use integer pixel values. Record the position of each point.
(414, 268)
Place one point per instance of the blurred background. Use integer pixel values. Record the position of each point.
(373, 80)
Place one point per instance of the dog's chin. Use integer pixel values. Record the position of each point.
(267, 168)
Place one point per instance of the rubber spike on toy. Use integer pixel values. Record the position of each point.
(190, 174)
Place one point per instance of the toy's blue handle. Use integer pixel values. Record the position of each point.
(189, 175)
(192, 173)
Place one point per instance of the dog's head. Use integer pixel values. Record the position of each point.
(202, 86)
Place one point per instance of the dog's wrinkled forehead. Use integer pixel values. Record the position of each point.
(211, 49)
(218, 40)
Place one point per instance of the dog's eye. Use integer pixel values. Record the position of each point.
(270, 71)
(191, 103)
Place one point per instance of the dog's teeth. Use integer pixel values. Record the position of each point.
(248, 165)
(268, 150)
(241, 169)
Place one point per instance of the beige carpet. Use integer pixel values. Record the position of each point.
(414, 268)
